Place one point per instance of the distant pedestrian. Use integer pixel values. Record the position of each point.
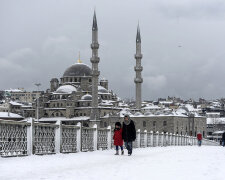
(118, 141)
(199, 137)
(129, 133)
(223, 139)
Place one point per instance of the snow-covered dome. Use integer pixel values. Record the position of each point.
(102, 90)
(86, 97)
(148, 113)
(68, 89)
(138, 114)
(78, 69)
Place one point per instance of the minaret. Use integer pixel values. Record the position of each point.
(95, 73)
(138, 68)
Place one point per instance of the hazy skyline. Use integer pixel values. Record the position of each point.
(182, 44)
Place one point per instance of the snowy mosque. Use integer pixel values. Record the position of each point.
(79, 96)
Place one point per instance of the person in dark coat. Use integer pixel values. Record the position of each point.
(223, 139)
(129, 133)
(118, 141)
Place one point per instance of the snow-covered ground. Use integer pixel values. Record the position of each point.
(170, 163)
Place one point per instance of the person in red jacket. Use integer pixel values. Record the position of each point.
(199, 137)
(118, 141)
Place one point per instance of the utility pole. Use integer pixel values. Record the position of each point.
(38, 84)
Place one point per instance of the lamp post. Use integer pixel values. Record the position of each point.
(38, 84)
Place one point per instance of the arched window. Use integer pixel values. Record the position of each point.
(164, 123)
(101, 124)
(144, 123)
(105, 124)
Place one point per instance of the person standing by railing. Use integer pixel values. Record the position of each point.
(129, 133)
(199, 137)
(223, 139)
(118, 141)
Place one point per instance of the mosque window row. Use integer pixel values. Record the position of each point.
(80, 114)
(103, 124)
(83, 104)
(57, 114)
(73, 79)
(58, 105)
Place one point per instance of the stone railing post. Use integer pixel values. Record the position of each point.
(174, 139)
(79, 137)
(145, 138)
(95, 138)
(109, 136)
(162, 139)
(192, 140)
(157, 138)
(167, 139)
(180, 140)
(170, 137)
(30, 137)
(138, 136)
(185, 140)
(152, 138)
(189, 140)
(58, 137)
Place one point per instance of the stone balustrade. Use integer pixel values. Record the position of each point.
(26, 138)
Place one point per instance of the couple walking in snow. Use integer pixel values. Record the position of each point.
(126, 133)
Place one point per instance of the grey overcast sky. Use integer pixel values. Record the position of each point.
(183, 44)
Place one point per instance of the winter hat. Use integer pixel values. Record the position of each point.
(118, 124)
(128, 121)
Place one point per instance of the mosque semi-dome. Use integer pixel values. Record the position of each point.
(67, 89)
(78, 69)
(102, 90)
(86, 97)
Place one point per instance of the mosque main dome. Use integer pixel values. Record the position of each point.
(78, 69)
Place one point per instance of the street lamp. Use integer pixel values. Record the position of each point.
(37, 84)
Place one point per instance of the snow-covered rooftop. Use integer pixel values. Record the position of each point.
(14, 90)
(215, 120)
(10, 115)
(15, 103)
(53, 119)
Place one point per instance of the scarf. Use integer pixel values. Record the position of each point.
(127, 122)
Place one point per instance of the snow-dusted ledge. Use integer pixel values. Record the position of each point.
(26, 138)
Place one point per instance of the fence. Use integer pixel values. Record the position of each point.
(26, 138)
